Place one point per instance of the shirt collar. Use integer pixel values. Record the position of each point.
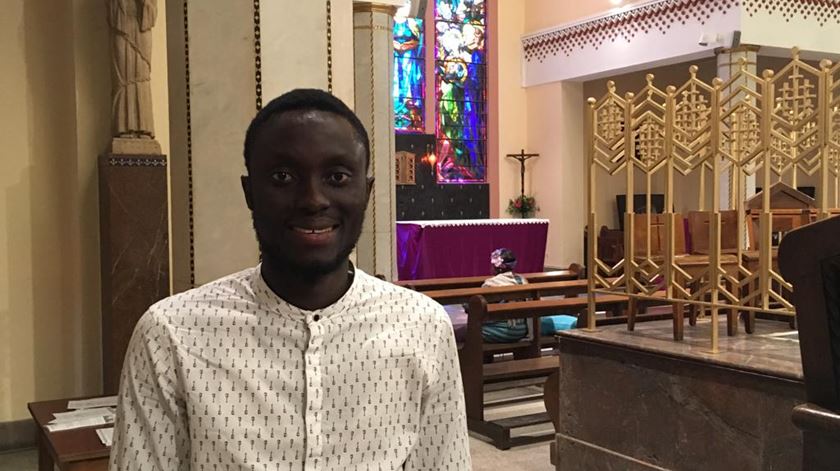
(272, 302)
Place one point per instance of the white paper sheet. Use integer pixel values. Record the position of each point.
(108, 401)
(84, 422)
(81, 414)
(106, 435)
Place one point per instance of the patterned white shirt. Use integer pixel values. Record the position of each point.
(229, 376)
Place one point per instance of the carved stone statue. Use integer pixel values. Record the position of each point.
(131, 29)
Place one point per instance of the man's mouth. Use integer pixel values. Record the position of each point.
(314, 230)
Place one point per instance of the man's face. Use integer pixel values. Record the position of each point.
(307, 190)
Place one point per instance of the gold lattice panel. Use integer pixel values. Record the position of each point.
(773, 128)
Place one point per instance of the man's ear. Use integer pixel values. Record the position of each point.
(246, 189)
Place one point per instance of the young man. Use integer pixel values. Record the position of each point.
(303, 362)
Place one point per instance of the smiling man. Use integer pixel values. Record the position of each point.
(303, 362)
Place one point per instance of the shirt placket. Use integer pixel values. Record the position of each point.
(314, 393)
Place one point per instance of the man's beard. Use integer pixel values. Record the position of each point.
(309, 271)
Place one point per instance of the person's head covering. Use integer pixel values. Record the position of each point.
(503, 260)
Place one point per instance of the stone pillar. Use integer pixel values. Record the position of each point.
(134, 256)
(729, 62)
(373, 24)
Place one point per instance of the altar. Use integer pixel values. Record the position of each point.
(441, 249)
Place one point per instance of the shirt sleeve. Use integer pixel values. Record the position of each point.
(443, 442)
(150, 430)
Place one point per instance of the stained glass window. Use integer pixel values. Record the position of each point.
(409, 79)
(461, 80)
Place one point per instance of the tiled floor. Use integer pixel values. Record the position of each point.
(485, 457)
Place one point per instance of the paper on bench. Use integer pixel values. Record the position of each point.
(106, 435)
(81, 414)
(107, 401)
(84, 422)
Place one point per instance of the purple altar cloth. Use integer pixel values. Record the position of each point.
(442, 249)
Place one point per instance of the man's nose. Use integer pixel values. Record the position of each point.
(312, 196)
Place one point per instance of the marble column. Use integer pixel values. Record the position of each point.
(134, 255)
(729, 62)
(373, 24)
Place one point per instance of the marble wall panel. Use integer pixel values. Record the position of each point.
(134, 236)
(675, 414)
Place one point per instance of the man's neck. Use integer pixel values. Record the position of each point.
(308, 293)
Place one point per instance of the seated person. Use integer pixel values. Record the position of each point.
(513, 330)
(503, 262)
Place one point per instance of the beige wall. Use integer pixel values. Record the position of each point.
(542, 14)
(538, 119)
(555, 132)
(54, 122)
(507, 113)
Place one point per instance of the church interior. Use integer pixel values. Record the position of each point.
(666, 173)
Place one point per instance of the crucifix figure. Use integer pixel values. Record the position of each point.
(522, 157)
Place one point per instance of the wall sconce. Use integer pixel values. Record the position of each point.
(430, 158)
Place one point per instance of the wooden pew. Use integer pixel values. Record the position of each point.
(574, 272)
(476, 373)
(504, 293)
(531, 291)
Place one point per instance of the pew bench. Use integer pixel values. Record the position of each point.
(492, 294)
(574, 272)
(476, 374)
(453, 299)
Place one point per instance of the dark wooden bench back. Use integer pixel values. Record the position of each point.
(509, 293)
(574, 272)
(809, 258)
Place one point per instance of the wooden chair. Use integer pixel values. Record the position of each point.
(698, 229)
(809, 258)
(658, 237)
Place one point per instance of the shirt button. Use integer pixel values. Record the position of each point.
(316, 317)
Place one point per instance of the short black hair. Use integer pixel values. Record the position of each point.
(306, 99)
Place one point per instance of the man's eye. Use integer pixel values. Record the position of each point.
(281, 177)
(339, 177)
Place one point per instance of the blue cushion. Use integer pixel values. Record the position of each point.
(554, 323)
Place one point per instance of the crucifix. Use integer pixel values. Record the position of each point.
(522, 157)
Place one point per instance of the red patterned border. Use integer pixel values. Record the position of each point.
(660, 16)
(821, 10)
(641, 20)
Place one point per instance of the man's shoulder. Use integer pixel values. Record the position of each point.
(407, 299)
(233, 287)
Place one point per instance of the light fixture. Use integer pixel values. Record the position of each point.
(616, 2)
(430, 158)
